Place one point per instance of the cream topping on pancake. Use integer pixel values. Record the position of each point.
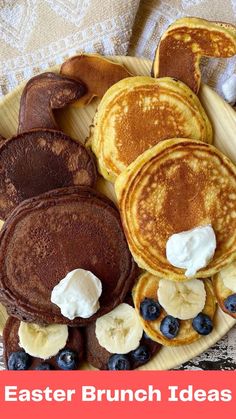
(78, 294)
(192, 249)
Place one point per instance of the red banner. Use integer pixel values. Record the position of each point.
(108, 394)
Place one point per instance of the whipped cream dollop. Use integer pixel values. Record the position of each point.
(77, 294)
(192, 249)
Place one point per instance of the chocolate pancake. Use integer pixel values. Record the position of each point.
(38, 161)
(48, 236)
(75, 342)
(98, 356)
(44, 93)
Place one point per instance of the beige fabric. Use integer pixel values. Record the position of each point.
(36, 34)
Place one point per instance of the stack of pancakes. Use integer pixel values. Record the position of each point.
(153, 139)
(55, 220)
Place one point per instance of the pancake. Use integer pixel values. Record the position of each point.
(44, 93)
(38, 161)
(75, 342)
(221, 291)
(48, 236)
(96, 72)
(146, 287)
(184, 43)
(136, 113)
(176, 186)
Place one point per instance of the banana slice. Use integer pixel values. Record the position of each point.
(42, 341)
(119, 331)
(228, 276)
(3, 318)
(183, 300)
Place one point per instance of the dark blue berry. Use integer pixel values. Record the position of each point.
(44, 366)
(150, 309)
(141, 354)
(202, 324)
(170, 327)
(145, 336)
(119, 362)
(67, 359)
(230, 303)
(19, 360)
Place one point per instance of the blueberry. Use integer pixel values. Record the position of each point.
(44, 366)
(230, 303)
(150, 309)
(119, 362)
(19, 360)
(169, 327)
(202, 324)
(141, 354)
(145, 336)
(67, 359)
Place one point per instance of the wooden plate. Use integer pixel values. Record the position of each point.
(76, 122)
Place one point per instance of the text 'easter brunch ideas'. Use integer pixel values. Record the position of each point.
(92, 394)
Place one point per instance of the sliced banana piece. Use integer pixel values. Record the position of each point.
(228, 276)
(183, 300)
(119, 331)
(42, 341)
(3, 318)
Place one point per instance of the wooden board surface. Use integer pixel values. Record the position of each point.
(76, 122)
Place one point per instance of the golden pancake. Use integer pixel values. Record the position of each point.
(147, 287)
(136, 113)
(176, 186)
(184, 43)
(222, 292)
